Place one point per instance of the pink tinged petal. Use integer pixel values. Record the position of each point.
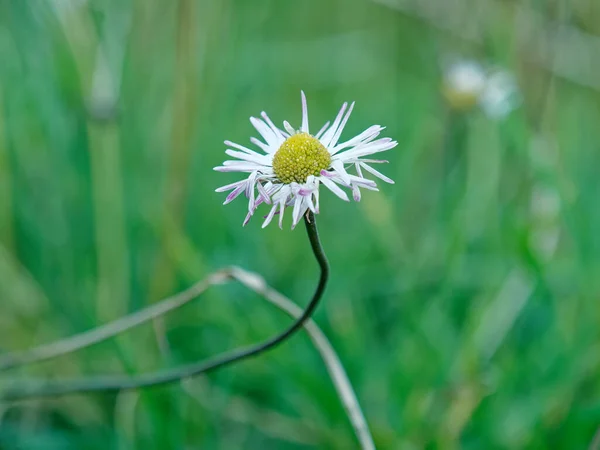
(356, 193)
(288, 127)
(270, 216)
(377, 173)
(364, 182)
(247, 219)
(231, 186)
(242, 148)
(281, 209)
(327, 174)
(322, 130)
(304, 127)
(257, 159)
(338, 133)
(366, 136)
(326, 138)
(263, 193)
(339, 167)
(234, 194)
(334, 188)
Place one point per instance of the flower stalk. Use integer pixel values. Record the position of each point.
(37, 389)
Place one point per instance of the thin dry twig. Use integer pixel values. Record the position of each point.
(338, 375)
(111, 329)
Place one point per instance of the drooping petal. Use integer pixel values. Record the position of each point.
(263, 193)
(234, 194)
(334, 188)
(339, 168)
(270, 215)
(356, 193)
(297, 209)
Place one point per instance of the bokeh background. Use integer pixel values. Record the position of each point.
(463, 300)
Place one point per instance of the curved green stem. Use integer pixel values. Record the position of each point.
(95, 384)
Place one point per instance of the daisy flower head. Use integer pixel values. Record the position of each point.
(290, 164)
(468, 84)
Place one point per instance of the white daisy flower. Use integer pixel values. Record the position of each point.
(293, 163)
(468, 84)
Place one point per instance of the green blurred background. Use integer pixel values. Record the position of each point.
(463, 300)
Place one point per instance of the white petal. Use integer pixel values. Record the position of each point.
(338, 133)
(380, 145)
(265, 147)
(358, 169)
(281, 210)
(241, 167)
(257, 159)
(280, 134)
(247, 219)
(339, 168)
(234, 194)
(366, 136)
(288, 127)
(322, 130)
(267, 133)
(310, 204)
(231, 186)
(326, 138)
(334, 188)
(242, 148)
(270, 216)
(377, 173)
(263, 193)
(304, 127)
(363, 182)
(250, 191)
(297, 210)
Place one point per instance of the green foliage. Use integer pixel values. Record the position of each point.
(459, 322)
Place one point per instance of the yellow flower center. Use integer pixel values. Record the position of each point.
(298, 157)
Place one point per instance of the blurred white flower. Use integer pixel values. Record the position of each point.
(293, 164)
(468, 84)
